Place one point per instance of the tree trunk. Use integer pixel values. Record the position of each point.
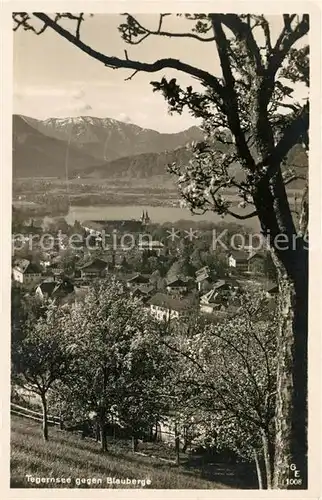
(258, 470)
(97, 429)
(267, 459)
(102, 412)
(291, 403)
(103, 433)
(177, 445)
(135, 443)
(291, 261)
(185, 439)
(61, 422)
(44, 417)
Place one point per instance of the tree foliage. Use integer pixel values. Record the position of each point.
(43, 356)
(227, 378)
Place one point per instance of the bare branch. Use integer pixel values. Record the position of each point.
(297, 128)
(293, 107)
(131, 76)
(304, 215)
(286, 40)
(115, 62)
(242, 217)
(79, 22)
(159, 32)
(265, 26)
(230, 102)
(294, 178)
(288, 19)
(243, 31)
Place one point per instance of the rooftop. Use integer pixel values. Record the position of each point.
(143, 290)
(176, 282)
(100, 225)
(171, 303)
(95, 263)
(256, 253)
(139, 278)
(239, 255)
(27, 267)
(52, 288)
(202, 274)
(151, 244)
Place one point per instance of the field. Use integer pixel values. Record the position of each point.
(66, 455)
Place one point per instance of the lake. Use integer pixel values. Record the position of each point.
(157, 214)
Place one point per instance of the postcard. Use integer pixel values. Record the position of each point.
(161, 272)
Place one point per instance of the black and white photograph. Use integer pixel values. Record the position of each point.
(160, 250)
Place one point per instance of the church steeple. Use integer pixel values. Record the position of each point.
(145, 218)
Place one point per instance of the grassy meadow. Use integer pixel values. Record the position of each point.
(66, 455)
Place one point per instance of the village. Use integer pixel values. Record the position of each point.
(169, 277)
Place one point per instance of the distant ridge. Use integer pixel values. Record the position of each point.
(40, 147)
(107, 139)
(105, 148)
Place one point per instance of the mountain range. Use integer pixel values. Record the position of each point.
(103, 148)
(44, 147)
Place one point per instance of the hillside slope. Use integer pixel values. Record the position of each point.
(67, 455)
(35, 154)
(153, 166)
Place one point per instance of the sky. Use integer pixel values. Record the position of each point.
(52, 78)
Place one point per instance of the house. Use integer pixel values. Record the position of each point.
(271, 289)
(81, 290)
(45, 262)
(222, 292)
(151, 246)
(164, 306)
(176, 285)
(256, 263)
(143, 292)
(62, 241)
(99, 227)
(95, 228)
(238, 259)
(137, 280)
(51, 289)
(25, 271)
(203, 277)
(96, 268)
(55, 269)
(19, 240)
